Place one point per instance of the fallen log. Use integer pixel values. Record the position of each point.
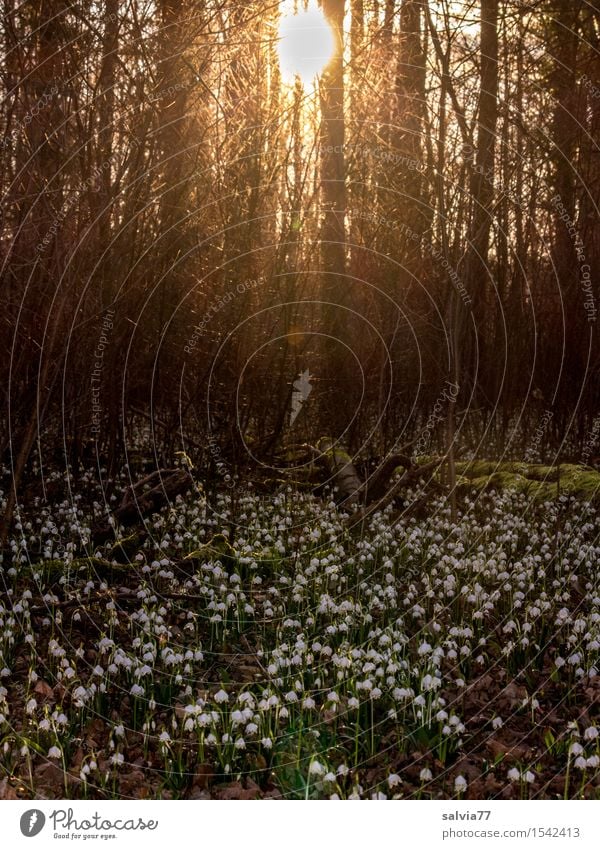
(142, 499)
(341, 470)
(378, 483)
(410, 476)
(379, 488)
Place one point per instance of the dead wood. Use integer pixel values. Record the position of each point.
(340, 469)
(410, 476)
(143, 498)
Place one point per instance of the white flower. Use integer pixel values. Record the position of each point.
(31, 706)
(425, 775)
(54, 752)
(165, 737)
(594, 761)
(376, 797)
(316, 768)
(460, 784)
(308, 703)
(575, 749)
(221, 697)
(529, 777)
(513, 774)
(117, 759)
(497, 723)
(591, 733)
(393, 780)
(580, 762)
(266, 743)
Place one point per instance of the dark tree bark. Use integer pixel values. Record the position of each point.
(335, 291)
(477, 270)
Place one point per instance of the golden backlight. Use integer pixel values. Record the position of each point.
(306, 44)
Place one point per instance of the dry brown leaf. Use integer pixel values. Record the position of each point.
(513, 694)
(198, 794)
(59, 691)
(51, 777)
(180, 712)
(77, 758)
(493, 786)
(237, 791)
(94, 732)
(510, 751)
(8, 791)
(44, 690)
(203, 776)
(131, 782)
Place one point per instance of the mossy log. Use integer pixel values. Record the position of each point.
(141, 499)
(219, 548)
(341, 470)
(539, 482)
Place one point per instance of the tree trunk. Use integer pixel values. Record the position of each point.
(336, 320)
(477, 271)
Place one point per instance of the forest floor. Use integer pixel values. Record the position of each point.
(250, 646)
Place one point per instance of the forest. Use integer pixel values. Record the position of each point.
(300, 380)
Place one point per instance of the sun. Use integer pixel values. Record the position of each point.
(306, 44)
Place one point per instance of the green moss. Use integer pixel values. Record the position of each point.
(580, 481)
(123, 550)
(53, 570)
(538, 482)
(336, 453)
(498, 480)
(267, 557)
(219, 548)
(476, 468)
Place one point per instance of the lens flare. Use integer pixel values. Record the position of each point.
(306, 44)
